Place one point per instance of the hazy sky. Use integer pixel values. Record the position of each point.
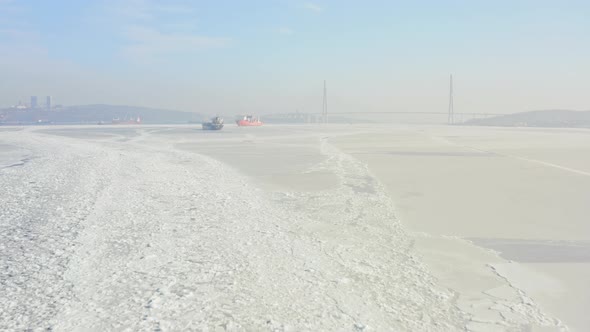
(265, 56)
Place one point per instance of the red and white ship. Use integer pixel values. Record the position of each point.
(249, 120)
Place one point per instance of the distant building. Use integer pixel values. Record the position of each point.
(48, 103)
(33, 101)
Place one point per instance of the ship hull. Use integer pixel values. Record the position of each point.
(212, 126)
(246, 123)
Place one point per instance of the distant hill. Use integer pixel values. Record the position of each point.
(94, 114)
(547, 118)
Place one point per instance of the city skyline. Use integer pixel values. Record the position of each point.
(274, 55)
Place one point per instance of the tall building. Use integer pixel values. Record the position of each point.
(33, 101)
(48, 103)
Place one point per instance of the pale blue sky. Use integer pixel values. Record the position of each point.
(264, 56)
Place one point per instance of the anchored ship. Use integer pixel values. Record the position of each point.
(216, 123)
(249, 120)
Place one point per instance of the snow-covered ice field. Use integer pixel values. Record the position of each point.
(282, 228)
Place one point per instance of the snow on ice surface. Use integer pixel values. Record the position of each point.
(42, 206)
(104, 235)
(11, 156)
